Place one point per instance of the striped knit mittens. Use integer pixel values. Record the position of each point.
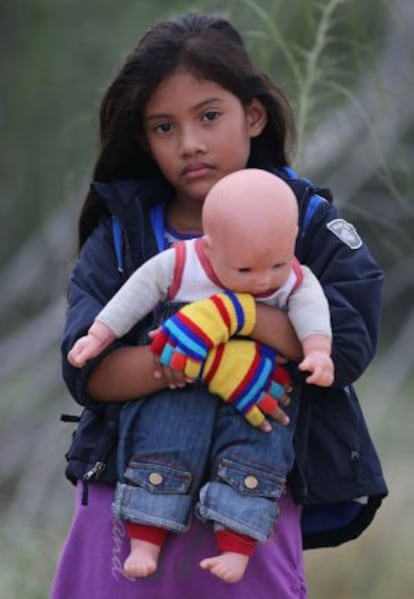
(245, 374)
(185, 338)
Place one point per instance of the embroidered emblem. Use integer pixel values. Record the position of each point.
(345, 232)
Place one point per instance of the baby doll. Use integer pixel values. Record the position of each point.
(246, 254)
(250, 225)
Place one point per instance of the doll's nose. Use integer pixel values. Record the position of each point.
(263, 282)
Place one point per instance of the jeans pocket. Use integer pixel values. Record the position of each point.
(249, 479)
(158, 478)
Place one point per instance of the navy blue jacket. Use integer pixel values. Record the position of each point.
(336, 461)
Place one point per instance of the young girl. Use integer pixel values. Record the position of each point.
(234, 263)
(187, 108)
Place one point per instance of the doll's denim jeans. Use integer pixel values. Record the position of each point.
(184, 451)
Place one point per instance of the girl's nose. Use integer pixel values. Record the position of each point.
(191, 143)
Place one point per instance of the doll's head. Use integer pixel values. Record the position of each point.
(250, 222)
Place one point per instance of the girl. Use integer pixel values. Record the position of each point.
(187, 108)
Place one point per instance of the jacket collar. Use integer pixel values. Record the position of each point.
(119, 195)
(131, 203)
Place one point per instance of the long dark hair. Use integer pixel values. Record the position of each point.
(206, 46)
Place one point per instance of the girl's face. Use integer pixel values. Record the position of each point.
(198, 132)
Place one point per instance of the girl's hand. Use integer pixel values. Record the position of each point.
(174, 378)
(185, 339)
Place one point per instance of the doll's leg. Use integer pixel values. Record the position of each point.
(146, 543)
(235, 550)
(163, 450)
(248, 475)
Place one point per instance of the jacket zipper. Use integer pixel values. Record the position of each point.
(95, 472)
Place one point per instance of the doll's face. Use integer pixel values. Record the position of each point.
(257, 266)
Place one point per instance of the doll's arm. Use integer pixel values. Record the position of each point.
(134, 300)
(139, 295)
(308, 310)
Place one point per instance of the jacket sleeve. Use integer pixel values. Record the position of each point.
(93, 282)
(353, 283)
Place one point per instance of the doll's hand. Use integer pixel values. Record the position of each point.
(246, 375)
(85, 349)
(91, 345)
(321, 367)
(198, 327)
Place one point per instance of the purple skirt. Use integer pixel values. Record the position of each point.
(96, 547)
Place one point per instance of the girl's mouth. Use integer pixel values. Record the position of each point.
(196, 170)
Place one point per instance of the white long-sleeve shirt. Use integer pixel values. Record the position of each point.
(183, 273)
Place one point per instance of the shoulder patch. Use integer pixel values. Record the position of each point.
(345, 232)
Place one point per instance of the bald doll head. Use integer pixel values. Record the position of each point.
(250, 224)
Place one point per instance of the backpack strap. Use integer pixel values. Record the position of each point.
(158, 225)
(309, 196)
(118, 245)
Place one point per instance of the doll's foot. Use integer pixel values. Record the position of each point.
(227, 566)
(142, 560)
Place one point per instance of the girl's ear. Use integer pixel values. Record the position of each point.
(256, 117)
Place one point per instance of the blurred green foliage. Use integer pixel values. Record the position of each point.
(56, 57)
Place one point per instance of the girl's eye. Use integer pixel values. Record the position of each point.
(243, 270)
(277, 266)
(163, 128)
(211, 115)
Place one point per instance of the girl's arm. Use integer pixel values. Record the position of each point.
(128, 372)
(122, 371)
(124, 374)
(274, 328)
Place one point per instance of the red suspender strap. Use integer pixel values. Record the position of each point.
(180, 256)
(206, 264)
(297, 269)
